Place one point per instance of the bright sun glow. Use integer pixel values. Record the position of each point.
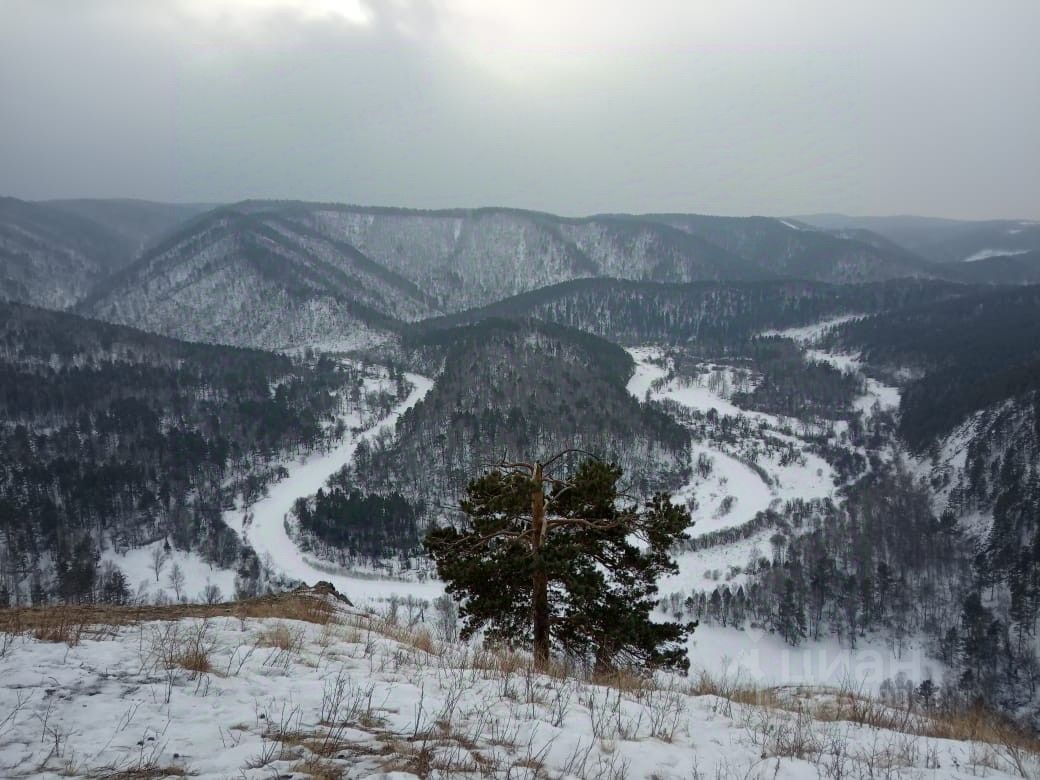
(523, 41)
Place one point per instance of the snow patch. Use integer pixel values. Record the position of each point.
(137, 565)
(766, 659)
(986, 253)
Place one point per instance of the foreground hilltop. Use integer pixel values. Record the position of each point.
(305, 685)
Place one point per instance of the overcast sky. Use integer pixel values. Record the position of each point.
(714, 106)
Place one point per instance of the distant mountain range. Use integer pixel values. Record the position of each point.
(280, 273)
(941, 240)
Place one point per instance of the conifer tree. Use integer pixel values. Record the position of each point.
(552, 563)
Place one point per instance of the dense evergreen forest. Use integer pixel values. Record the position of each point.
(113, 436)
(352, 529)
(967, 352)
(714, 315)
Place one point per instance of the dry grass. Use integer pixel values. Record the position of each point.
(319, 769)
(506, 662)
(972, 724)
(282, 637)
(71, 623)
(624, 680)
(418, 638)
(179, 646)
(194, 654)
(142, 773)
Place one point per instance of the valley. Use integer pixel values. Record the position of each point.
(284, 393)
(457, 390)
(732, 485)
(263, 525)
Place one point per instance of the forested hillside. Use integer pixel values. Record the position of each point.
(943, 240)
(881, 563)
(790, 249)
(294, 271)
(470, 258)
(138, 224)
(710, 314)
(521, 389)
(973, 351)
(235, 279)
(111, 437)
(969, 371)
(52, 258)
(1014, 268)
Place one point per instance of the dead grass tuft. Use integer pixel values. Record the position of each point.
(281, 637)
(176, 646)
(418, 638)
(142, 773)
(319, 769)
(734, 691)
(624, 680)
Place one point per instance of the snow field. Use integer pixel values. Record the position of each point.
(764, 659)
(266, 523)
(729, 477)
(984, 254)
(808, 335)
(362, 698)
(137, 564)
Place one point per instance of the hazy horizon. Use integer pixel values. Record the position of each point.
(361, 205)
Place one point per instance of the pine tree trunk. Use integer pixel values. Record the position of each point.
(540, 582)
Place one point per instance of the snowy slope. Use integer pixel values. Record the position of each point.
(361, 697)
(886, 396)
(231, 279)
(984, 254)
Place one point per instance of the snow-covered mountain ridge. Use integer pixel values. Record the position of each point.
(229, 278)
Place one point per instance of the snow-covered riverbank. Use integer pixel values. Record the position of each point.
(265, 530)
(755, 655)
(730, 477)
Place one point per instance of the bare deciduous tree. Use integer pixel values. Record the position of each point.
(158, 560)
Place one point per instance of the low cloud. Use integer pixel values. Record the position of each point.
(572, 107)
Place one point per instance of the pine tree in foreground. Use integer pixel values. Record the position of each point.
(564, 563)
